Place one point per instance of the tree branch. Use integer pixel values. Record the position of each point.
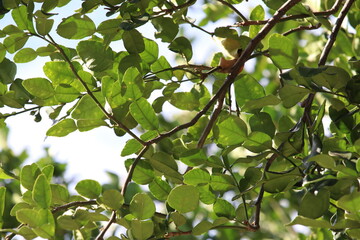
(73, 204)
(6, 115)
(234, 9)
(325, 13)
(300, 28)
(132, 169)
(306, 118)
(111, 221)
(334, 32)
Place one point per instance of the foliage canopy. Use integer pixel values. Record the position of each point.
(249, 151)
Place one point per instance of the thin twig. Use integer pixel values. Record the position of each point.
(334, 32)
(212, 120)
(104, 230)
(234, 9)
(132, 169)
(300, 28)
(6, 115)
(198, 27)
(73, 204)
(329, 12)
(88, 91)
(174, 8)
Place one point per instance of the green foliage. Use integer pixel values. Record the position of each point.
(245, 153)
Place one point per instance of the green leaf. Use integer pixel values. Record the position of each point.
(159, 189)
(159, 66)
(324, 161)
(331, 77)
(59, 72)
(151, 51)
(96, 56)
(223, 208)
(221, 182)
(166, 164)
(247, 88)
(5, 174)
(142, 206)
(262, 122)
(143, 173)
(131, 146)
(144, 114)
(25, 55)
(178, 219)
(62, 128)
(20, 17)
(44, 25)
(184, 101)
(350, 202)
(41, 193)
(87, 108)
(112, 199)
(110, 30)
(60, 194)
(28, 216)
(142, 230)
(68, 222)
(66, 93)
(133, 41)
(39, 87)
(256, 104)
(232, 131)
(316, 223)
(2, 204)
(276, 183)
(183, 46)
(88, 188)
(77, 26)
(206, 195)
(291, 95)
(132, 79)
(258, 13)
(84, 125)
(283, 51)
(184, 198)
(2, 52)
(202, 227)
(166, 28)
(7, 71)
(197, 176)
(193, 157)
(314, 205)
(15, 42)
(28, 175)
(258, 142)
(41, 221)
(49, 5)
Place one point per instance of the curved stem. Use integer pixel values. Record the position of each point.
(88, 90)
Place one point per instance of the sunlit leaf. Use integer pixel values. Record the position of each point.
(76, 26)
(88, 188)
(184, 198)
